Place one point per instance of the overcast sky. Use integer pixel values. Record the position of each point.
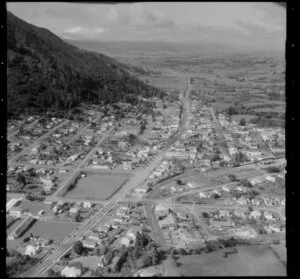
(259, 25)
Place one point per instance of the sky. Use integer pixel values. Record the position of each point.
(246, 24)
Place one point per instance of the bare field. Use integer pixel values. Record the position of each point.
(249, 261)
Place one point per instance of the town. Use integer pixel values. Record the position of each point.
(191, 183)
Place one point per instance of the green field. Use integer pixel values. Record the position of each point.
(97, 186)
(249, 261)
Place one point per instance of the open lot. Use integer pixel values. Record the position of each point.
(99, 186)
(255, 260)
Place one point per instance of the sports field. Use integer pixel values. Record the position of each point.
(97, 186)
(52, 230)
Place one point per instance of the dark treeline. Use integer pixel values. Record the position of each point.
(45, 72)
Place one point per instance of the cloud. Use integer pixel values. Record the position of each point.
(78, 32)
(74, 30)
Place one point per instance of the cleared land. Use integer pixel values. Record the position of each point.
(97, 186)
(255, 260)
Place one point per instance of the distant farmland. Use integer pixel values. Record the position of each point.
(256, 260)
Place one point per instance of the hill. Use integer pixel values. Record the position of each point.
(44, 72)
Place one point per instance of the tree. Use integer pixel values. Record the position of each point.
(50, 272)
(242, 122)
(98, 251)
(78, 247)
(246, 183)
(144, 261)
(179, 182)
(232, 177)
(232, 110)
(182, 251)
(77, 217)
(21, 179)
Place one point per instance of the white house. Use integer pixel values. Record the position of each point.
(270, 178)
(268, 215)
(74, 210)
(89, 243)
(87, 204)
(255, 214)
(71, 272)
(125, 241)
(202, 195)
(32, 250)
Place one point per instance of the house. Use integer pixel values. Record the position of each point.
(169, 221)
(89, 243)
(239, 213)
(12, 203)
(255, 181)
(161, 210)
(268, 201)
(274, 228)
(32, 250)
(224, 213)
(192, 184)
(141, 190)
(242, 201)
(71, 272)
(94, 237)
(15, 211)
(125, 241)
(131, 234)
(270, 178)
(121, 212)
(74, 210)
(268, 215)
(43, 242)
(255, 214)
(104, 227)
(151, 271)
(202, 195)
(87, 205)
(114, 263)
(127, 165)
(256, 201)
(219, 224)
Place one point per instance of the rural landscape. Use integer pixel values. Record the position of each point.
(142, 158)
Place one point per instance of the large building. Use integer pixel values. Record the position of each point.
(21, 228)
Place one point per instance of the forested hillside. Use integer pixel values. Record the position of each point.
(44, 72)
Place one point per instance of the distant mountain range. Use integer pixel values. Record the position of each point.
(44, 72)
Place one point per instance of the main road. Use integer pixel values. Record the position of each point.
(40, 269)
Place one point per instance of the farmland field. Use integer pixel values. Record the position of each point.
(97, 186)
(249, 261)
(172, 83)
